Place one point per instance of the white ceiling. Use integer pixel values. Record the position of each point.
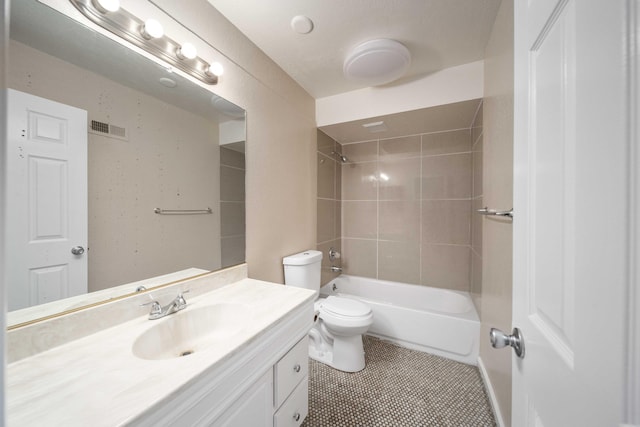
(439, 33)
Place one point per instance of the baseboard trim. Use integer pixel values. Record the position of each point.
(495, 407)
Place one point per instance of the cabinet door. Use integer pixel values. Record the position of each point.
(290, 370)
(296, 408)
(254, 408)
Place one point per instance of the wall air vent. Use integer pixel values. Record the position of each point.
(108, 130)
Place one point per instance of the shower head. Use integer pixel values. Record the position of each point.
(342, 158)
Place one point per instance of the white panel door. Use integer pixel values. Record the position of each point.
(46, 200)
(571, 219)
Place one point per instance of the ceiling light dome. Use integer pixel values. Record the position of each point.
(377, 62)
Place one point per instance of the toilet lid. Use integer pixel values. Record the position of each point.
(345, 306)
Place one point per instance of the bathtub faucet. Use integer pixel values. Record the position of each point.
(335, 269)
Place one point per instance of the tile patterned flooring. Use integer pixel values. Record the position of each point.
(398, 388)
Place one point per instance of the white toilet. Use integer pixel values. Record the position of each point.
(336, 336)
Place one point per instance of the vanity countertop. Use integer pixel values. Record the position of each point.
(97, 380)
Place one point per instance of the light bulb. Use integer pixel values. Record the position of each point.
(105, 6)
(216, 69)
(188, 51)
(152, 29)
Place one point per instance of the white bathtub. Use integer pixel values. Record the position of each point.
(437, 321)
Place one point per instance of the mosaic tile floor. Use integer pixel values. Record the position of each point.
(398, 388)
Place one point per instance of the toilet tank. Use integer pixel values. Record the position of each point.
(302, 270)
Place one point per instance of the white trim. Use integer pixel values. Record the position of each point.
(495, 407)
(455, 84)
(4, 40)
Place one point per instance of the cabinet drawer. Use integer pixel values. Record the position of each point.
(295, 409)
(290, 370)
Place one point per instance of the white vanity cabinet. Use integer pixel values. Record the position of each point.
(291, 386)
(253, 375)
(279, 398)
(264, 385)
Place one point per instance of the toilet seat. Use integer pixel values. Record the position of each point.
(344, 307)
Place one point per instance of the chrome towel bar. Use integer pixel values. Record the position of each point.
(491, 212)
(182, 211)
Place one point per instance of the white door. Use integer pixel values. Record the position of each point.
(571, 204)
(46, 200)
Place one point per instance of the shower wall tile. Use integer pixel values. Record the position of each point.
(360, 219)
(233, 190)
(404, 209)
(325, 143)
(232, 207)
(326, 177)
(399, 220)
(399, 261)
(359, 181)
(329, 215)
(361, 152)
(476, 128)
(360, 257)
(338, 216)
(326, 226)
(231, 158)
(476, 225)
(446, 266)
(476, 281)
(408, 146)
(325, 273)
(338, 180)
(232, 219)
(446, 221)
(458, 141)
(398, 179)
(477, 167)
(446, 177)
(232, 250)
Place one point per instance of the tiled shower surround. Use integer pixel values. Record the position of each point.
(329, 195)
(404, 212)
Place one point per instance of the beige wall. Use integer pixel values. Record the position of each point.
(329, 189)
(281, 141)
(406, 209)
(170, 161)
(498, 194)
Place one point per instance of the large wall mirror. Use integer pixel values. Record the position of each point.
(162, 171)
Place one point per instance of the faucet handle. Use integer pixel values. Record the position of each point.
(181, 302)
(156, 308)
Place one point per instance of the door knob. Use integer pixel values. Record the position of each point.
(77, 250)
(499, 339)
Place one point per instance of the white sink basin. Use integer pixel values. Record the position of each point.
(190, 331)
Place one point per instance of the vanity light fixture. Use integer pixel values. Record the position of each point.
(151, 29)
(216, 69)
(149, 36)
(105, 6)
(187, 51)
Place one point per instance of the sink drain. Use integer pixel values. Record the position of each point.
(186, 353)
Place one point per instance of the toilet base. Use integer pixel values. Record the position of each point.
(344, 354)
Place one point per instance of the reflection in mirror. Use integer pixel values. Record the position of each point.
(81, 222)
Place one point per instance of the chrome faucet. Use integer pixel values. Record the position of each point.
(158, 311)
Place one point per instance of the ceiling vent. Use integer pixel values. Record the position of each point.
(377, 62)
(108, 130)
(375, 127)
